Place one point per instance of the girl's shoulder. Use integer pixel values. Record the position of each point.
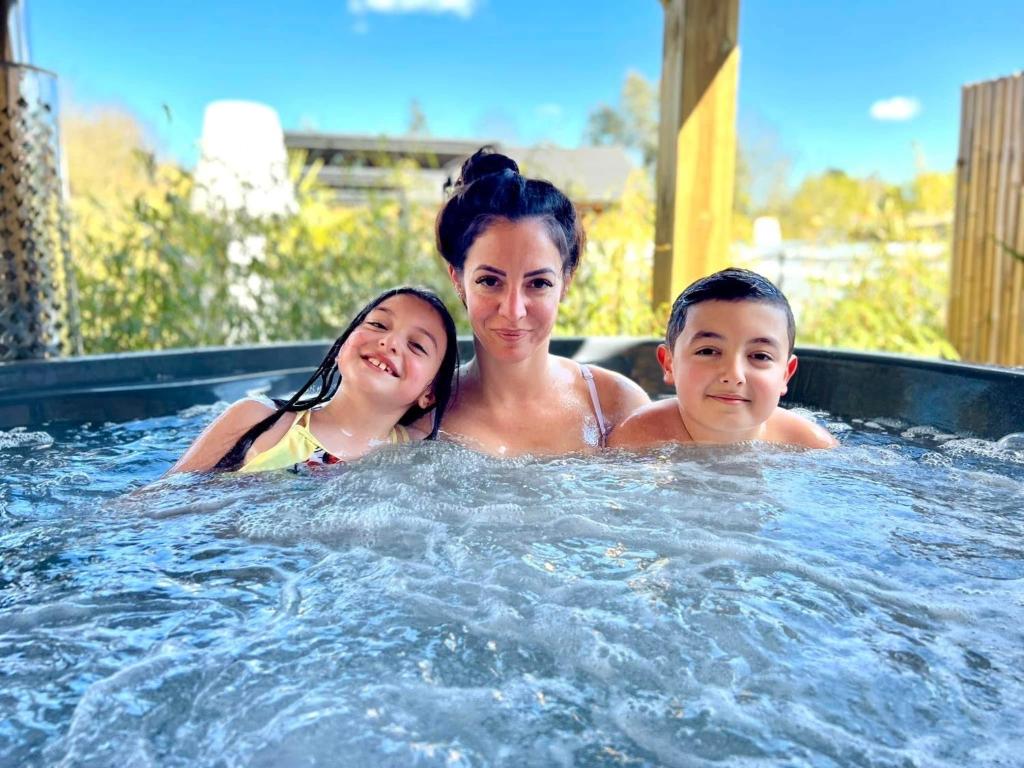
(218, 438)
(246, 412)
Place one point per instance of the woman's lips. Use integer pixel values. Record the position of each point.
(510, 334)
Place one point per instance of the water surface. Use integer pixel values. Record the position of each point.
(431, 606)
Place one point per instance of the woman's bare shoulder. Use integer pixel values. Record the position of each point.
(620, 396)
(420, 429)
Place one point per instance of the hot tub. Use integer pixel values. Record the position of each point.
(432, 606)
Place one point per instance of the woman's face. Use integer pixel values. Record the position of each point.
(512, 283)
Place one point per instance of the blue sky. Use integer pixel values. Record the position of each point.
(530, 70)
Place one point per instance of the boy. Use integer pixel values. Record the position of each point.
(729, 353)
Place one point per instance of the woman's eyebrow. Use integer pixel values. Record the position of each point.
(532, 273)
(489, 268)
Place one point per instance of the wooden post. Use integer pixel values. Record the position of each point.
(696, 143)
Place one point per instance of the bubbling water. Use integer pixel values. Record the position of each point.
(432, 606)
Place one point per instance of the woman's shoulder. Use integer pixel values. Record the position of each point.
(419, 429)
(619, 395)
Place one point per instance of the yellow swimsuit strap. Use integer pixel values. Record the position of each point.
(299, 444)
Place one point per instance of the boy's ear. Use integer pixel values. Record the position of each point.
(456, 277)
(791, 367)
(665, 361)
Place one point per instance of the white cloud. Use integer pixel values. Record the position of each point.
(464, 8)
(898, 108)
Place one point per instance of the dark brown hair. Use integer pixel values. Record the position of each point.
(732, 284)
(490, 188)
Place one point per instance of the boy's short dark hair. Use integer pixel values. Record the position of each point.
(730, 284)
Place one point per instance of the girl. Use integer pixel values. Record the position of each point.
(394, 364)
(513, 245)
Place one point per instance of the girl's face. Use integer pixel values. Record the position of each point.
(396, 352)
(512, 283)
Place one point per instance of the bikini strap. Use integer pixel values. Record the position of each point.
(400, 435)
(602, 425)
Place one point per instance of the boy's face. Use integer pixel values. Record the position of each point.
(730, 366)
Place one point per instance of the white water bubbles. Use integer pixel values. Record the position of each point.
(20, 438)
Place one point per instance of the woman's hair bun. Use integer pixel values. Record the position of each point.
(484, 162)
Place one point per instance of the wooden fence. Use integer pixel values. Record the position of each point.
(986, 304)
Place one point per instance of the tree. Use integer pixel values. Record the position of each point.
(833, 206)
(633, 124)
(108, 154)
(417, 120)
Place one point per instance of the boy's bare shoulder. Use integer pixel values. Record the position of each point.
(793, 429)
(651, 424)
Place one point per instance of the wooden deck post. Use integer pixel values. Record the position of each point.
(696, 143)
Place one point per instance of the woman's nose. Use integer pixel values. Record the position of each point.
(512, 307)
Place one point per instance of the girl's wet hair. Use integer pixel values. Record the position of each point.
(327, 377)
(490, 188)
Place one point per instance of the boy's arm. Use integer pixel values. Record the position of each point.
(647, 426)
(793, 429)
(218, 438)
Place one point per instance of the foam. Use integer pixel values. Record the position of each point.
(20, 438)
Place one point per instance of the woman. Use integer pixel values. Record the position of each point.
(513, 245)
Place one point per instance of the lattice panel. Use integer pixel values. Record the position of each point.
(33, 234)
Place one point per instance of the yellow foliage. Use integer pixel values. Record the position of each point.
(611, 295)
(107, 154)
(153, 273)
(893, 303)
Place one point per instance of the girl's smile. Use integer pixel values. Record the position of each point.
(395, 353)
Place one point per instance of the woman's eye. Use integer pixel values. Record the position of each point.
(541, 282)
(487, 281)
